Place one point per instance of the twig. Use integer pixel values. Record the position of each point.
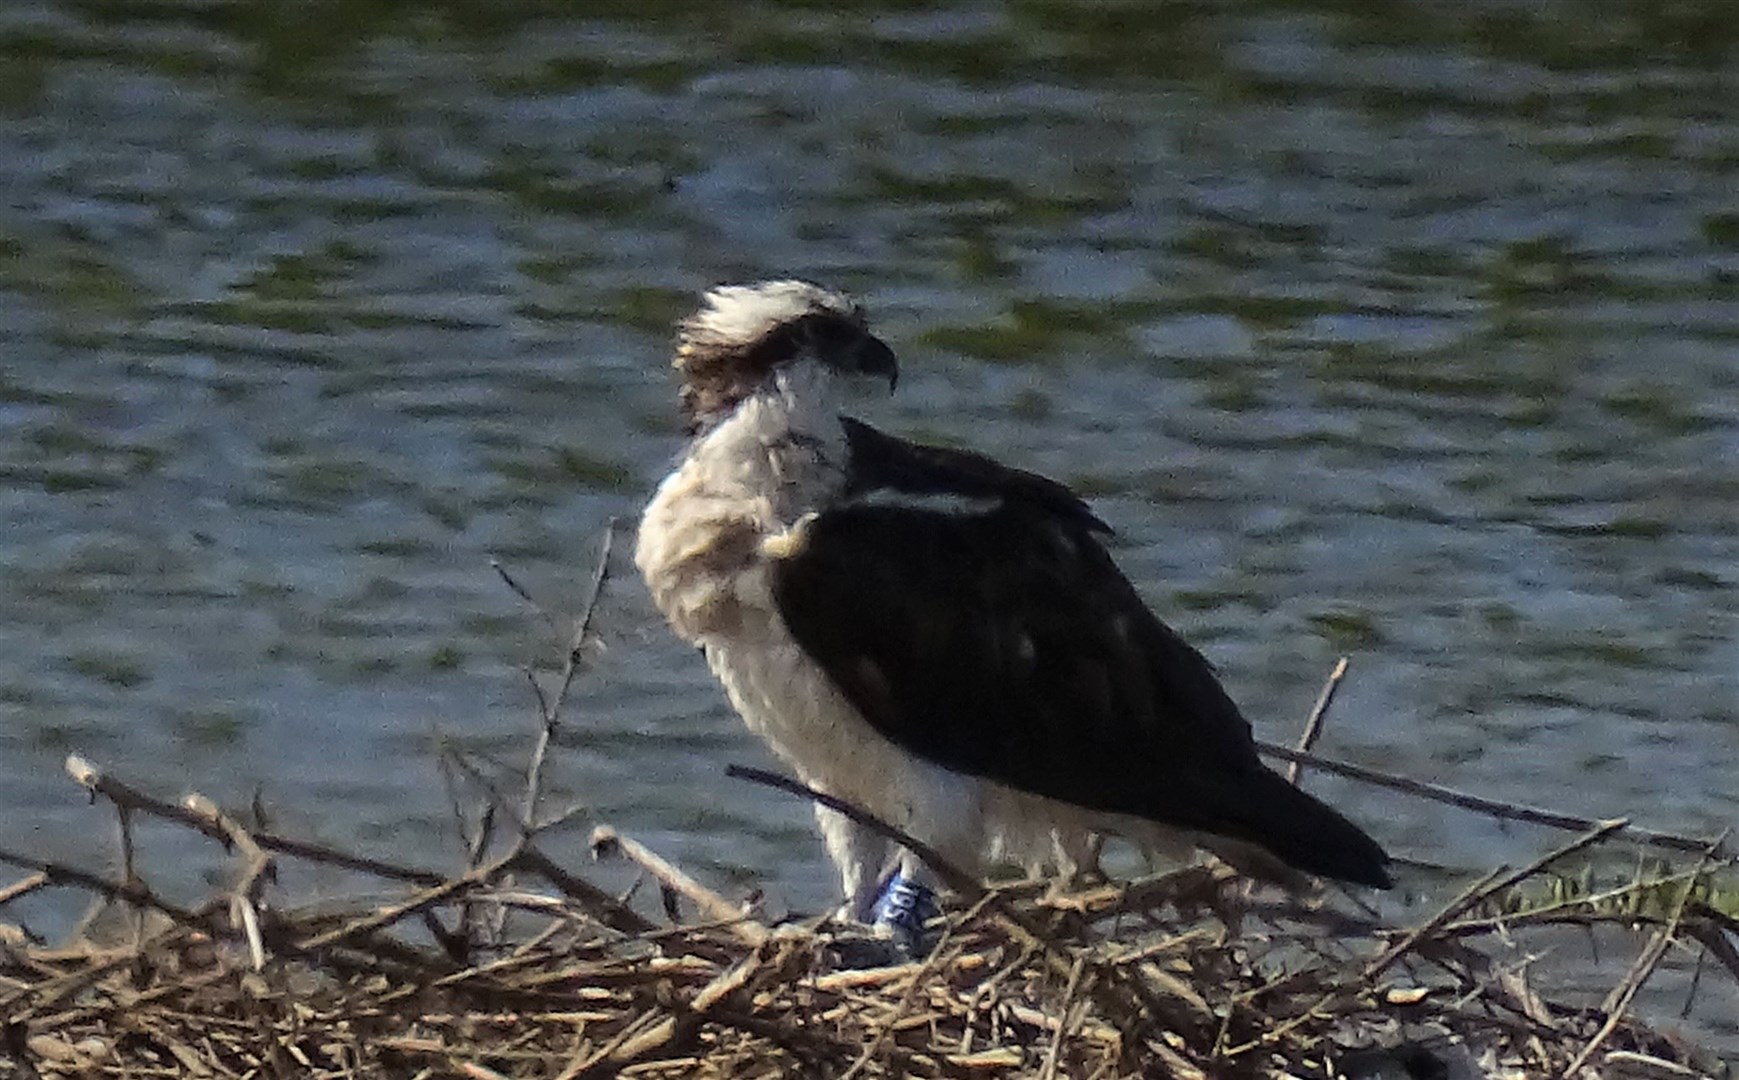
(520, 591)
(583, 631)
(134, 892)
(129, 863)
(420, 902)
(1317, 1008)
(606, 908)
(1064, 1024)
(615, 1051)
(99, 782)
(1495, 882)
(1718, 944)
(23, 887)
(524, 855)
(601, 905)
(552, 710)
(1619, 1000)
(498, 799)
(607, 841)
(1479, 804)
(1572, 911)
(476, 836)
(256, 869)
(1313, 723)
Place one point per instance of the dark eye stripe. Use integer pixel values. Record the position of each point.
(774, 349)
(833, 330)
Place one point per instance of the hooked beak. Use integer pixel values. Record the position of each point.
(873, 357)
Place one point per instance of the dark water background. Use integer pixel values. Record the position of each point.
(1397, 329)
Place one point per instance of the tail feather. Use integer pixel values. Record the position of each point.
(1307, 834)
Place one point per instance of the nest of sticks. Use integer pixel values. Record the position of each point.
(518, 966)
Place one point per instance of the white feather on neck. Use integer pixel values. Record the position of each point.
(784, 444)
(780, 454)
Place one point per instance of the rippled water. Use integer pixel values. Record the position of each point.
(1401, 330)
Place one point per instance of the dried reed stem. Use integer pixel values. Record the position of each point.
(1318, 712)
(1506, 811)
(606, 841)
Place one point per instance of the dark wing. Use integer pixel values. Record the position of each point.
(971, 614)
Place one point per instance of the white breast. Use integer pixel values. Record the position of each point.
(700, 547)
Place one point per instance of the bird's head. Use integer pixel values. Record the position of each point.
(743, 336)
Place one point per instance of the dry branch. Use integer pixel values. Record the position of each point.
(1318, 713)
(1497, 808)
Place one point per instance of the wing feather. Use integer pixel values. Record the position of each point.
(1000, 640)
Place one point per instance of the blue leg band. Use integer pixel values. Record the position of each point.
(902, 910)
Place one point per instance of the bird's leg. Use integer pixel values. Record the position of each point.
(1076, 853)
(944, 810)
(861, 856)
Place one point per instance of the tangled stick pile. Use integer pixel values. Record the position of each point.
(518, 968)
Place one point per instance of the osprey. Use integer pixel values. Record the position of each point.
(937, 638)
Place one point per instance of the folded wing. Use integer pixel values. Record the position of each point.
(972, 615)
